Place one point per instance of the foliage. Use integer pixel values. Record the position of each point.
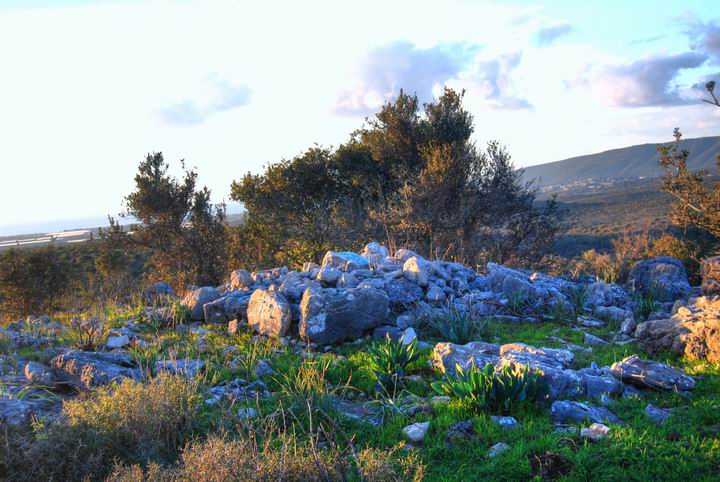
(32, 280)
(87, 335)
(391, 360)
(453, 325)
(496, 391)
(645, 304)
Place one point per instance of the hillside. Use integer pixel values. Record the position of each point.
(628, 162)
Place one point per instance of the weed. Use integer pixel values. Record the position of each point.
(453, 325)
(87, 334)
(390, 360)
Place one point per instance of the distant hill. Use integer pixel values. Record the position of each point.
(627, 162)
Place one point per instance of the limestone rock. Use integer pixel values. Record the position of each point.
(240, 279)
(415, 433)
(96, 368)
(269, 313)
(664, 277)
(417, 270)
(195, 300)
(446, 355)
(567, 411)
(651, 374)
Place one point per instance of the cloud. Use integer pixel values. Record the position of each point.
(492, 80)
(647, 40)
(705, 38)
(402, 65)
(547, 35)
(642, 83)
(220, 95)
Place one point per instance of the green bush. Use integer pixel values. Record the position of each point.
(390, 360)
(495, 391)
(453, 325)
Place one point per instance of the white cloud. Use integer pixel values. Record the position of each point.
(548, 35)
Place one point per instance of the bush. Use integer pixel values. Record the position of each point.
(495, 391)
(390, 360)
(453, 325)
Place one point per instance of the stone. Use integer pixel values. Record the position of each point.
(114, 342)
(417, 270)
(590, 322)
(435, 294)
(651, 374)
(158, 292)
(505, 422)
(263, 369)
(240, 279)
(329, 275)
(663, 277)
(14, 412)
(403, 254)
(186, 367)
(195, 300)
(403, 294)
(95, 369)
(602, 294)
(614, 313)
(628, 326)
(568, 411)
(247, 413)
(590, 339)
(460, 430)
(595, 432)
(231, 306)
(347, 280)
(269, 313)
(375, 249)
(408, 336)
(447, 355)
(498, 449)
(330, 316)
(710, 273)
(344, 261)
(657, 415)
(38, 374)
(415, 433)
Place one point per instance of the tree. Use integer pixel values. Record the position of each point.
(183, 230)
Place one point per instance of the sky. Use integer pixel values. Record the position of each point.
(88, 88)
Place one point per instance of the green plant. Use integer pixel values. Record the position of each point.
(518, 303)
(391, 359)
(87, 335)
(453, 325)
(145, 357)
(645, 304)
(492, 390)
(180, 314)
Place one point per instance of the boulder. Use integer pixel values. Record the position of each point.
(596, 386)
(602, 294)
(119, 341)
(38, 374)
(417, 270)
(329, 274)
(403, 254)
(446, 355)
(232, 306)
(158, 292)
(552, 364)
(710, 272)
(402, 293)
(415, 433)
(269, 313)
(344, 261)
(240, 279)
(330, 315)
(595, 432)
(195, 300)
(657, 415)
(651, 374)
(498, 449)
(663, 277)
(95, 368)
(568, 411)
(14, 411)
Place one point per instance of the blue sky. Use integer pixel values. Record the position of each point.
(88, 87)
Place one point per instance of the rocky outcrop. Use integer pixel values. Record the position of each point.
(651, 374)
(195, 300)
(331, 315)
(95, 368)
(663, 277)
(232, 306)
(158, 292)
(269, 313)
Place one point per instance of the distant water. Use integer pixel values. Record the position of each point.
(59, 225)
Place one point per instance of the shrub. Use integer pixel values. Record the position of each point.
(453, 325)
(390, 360)
(87, 335)
(495, 391)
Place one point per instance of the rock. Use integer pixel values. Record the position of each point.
(96, 368)
(590, 339)
(602, 294)
(613, 313)
(505, 422)
(231, 306)
(403, 254)
(595, 432)
(38, 374)
(263, 369)
(269, 313)
(195, 299)
(186, 367)
(590, 322)
(710, 273)
(567, 411)
(461, 430)
(329, 316)
(347, 281)
(417, 270)
(651, 374)
(329, 275)
(446, 355)
(663, 277)
(628, 326)
(14, 411)
(497, 449)
(114, 342)
(240, 279)
(553, 357)
(158, 292)
(403, 294)
(345, 261)
(375, 249)
(597, 386)
(247, 413)
(435, 294)
(657, 415)
(415, 433)
(408, 336)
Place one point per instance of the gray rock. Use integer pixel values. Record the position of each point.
(415, 433)
(651, 374)
(657, 415)
(345, 261)
(38, 374)
(590, 339)
(602, 294)
(595, 432)
(403, 293)
(461, 430)
(158, 292)
(247, 413)
(195, 299)
(14, 411)
(117, 342)
(498, 449)
(186, 367)
(628, 326)
(263, 369)
(329, 275)
(614, 313)
(663, 277)
(269, 313)
(446, 355)
(505, 422)
(435, 294)
(232, 306)
(95, 368)
(329, 316)
(240, 279)
(597, 386)
(566, 411)
(417, 270)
